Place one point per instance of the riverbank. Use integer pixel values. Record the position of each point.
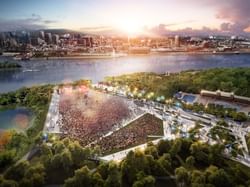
(119, 55)
(76, 57)
(201, 53)
(136, 55)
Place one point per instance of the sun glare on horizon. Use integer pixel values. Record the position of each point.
(130, 26)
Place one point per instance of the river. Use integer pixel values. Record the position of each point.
(58, 71)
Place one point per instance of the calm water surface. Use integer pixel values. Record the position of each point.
(19, 119)
(57, 71)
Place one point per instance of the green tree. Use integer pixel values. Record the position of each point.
(219, 178)
(176, 147)
(113, 179)
(79, 154)
(240, 116)
(222, 123)
(182, 176)
(103, 170)
(8, 183)
(163, 147)
(36, 175)
(66, 160)
(97, 180)
(55, 162)
(58, 146)
(199, 151)
(166, 162)
(190, 161)
(134, 162)
(151, 150)
(197, 177)
(16, 172)
(144, 181)
(215, 152)
(82, 177)
(6, 158)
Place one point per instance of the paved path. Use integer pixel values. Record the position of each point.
(51, 123)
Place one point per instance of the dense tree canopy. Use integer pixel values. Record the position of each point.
(15, 144)
(227, 79)
(186, 162)
(8, 65)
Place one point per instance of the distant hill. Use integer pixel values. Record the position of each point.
(62, 31)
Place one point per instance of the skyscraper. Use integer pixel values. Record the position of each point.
(55, 39)
(48, 38)
(177, 41)
(41, 35)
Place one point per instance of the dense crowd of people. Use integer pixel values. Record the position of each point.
(133, 134)
(87, 117)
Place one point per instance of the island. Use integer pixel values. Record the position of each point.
(9, 65)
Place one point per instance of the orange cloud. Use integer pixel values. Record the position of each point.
(247, 29)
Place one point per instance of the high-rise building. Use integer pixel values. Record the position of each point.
(23, 37)
(55, 39)
(13, 42)
(48, 38)
(41, 35)
(177, 41)
(2, 39)
(89, 41)
(36, 41)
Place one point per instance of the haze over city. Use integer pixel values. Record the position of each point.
(130, 17)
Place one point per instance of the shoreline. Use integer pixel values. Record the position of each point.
(202, 53)
(138, 55)
(107, 56)
(75, 57)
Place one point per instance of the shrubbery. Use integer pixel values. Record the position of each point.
(8, 65)
(182, 161)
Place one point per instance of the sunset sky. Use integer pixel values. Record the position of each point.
(226, 16)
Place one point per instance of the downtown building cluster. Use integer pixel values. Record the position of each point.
(64, 43)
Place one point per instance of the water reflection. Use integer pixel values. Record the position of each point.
(55, 71)
(18, 119)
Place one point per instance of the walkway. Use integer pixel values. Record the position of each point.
(51, 123)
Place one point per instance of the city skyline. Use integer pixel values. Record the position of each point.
(130, 17)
